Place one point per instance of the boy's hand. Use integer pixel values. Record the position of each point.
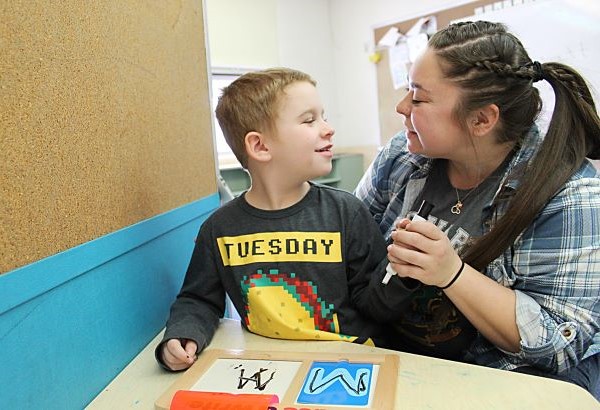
(179, 354)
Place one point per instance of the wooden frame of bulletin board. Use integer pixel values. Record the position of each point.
(304, 380)
(390, 122)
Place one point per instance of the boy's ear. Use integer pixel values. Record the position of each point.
(485, 119)
(256, 146)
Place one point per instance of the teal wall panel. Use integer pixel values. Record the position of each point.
(71, 322)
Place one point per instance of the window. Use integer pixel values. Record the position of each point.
(220, 81)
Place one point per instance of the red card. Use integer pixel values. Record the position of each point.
(194, 400)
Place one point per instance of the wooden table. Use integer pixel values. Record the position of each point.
(423, 383)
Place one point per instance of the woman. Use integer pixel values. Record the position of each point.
(506, 272)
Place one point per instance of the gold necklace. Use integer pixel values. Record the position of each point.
(458, 205)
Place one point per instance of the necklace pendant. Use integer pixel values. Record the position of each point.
(456, 208)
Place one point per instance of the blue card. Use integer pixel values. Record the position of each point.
(337, 383)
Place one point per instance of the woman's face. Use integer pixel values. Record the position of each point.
(427, 107)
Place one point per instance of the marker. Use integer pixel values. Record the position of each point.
(421, 215)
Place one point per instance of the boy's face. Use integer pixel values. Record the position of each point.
(301, 146)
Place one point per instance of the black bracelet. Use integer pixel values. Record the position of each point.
(462, 266)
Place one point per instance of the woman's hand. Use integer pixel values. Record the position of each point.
(423, 252)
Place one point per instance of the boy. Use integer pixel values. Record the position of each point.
(297, 259)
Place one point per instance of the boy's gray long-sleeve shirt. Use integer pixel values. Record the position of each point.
(312, 271)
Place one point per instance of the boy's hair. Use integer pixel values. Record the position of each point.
(250, 103)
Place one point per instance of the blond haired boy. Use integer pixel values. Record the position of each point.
(299, 260)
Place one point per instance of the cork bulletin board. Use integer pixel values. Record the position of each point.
(104, 120)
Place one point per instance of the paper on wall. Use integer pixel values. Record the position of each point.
(416, 44)
(390, 38)
(427, 25)
(398, 56)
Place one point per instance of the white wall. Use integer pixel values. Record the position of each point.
(306, 43)
(242, 33)
(329, 39)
